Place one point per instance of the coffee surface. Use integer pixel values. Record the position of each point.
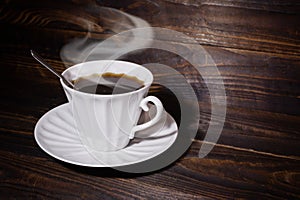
(108, 83)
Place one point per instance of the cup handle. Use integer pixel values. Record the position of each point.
(157, 117)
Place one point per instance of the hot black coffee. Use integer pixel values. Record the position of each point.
(108, 83)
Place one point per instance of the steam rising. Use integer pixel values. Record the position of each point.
(81, 49)
(132, 33)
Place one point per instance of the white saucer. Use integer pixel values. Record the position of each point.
(56, 135)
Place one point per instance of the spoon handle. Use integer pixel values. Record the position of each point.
(45, 64)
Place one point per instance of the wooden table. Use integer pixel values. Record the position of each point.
(256, 47)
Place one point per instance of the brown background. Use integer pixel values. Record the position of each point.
(255, 45)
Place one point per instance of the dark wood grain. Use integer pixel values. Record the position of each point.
(255, 45)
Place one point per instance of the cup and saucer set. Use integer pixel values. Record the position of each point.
(109, 120)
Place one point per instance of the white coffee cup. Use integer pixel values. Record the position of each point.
(108, 122)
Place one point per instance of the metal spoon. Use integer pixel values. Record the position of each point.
(43, 62)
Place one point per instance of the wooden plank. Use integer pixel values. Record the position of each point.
(258, 26)
(226, 172)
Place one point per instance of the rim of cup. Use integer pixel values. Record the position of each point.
(146, 84)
